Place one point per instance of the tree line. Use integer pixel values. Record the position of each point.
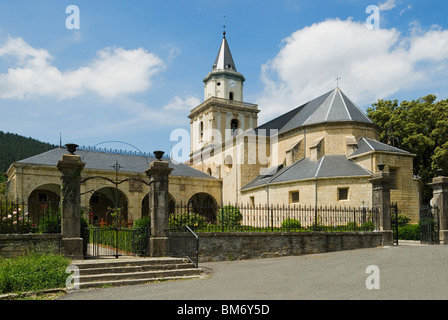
(420, 127)
(14, 147)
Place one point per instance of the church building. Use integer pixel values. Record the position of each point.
(321, 153)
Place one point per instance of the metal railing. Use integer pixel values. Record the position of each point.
(272, 218)
(31, 217)
(184, 242)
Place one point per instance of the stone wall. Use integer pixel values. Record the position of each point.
(15, 245)
(240, 246)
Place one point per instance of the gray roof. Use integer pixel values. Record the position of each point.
(105, 161)
(367, 145)
(224, 60)
(333, 106)
(329, 166)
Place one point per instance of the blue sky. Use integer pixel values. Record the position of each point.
(134, 69)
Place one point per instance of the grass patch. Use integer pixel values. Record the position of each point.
(33, 272)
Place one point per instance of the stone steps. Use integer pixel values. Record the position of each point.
(120, 272)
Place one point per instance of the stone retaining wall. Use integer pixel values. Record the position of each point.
(239, 246)
(14, 245)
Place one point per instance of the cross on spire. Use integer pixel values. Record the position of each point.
(224, 27)
(337, 81)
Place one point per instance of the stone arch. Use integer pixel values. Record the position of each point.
(145, 205)
(102, 204)
(43, 200)
(205, 205)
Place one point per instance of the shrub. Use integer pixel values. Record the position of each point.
(291, 224)
(368, 226)
(144, 222)
(193, 220)
(409, 232)
(33, 272)
(230, 216)
(50, 223)
(403, 220)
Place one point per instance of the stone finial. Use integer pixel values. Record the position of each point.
(159, 154)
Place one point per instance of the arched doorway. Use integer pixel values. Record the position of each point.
(145, 205)
(43, 208)
(205, 205)
(109, 206)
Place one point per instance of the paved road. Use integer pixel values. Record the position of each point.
(405, 272)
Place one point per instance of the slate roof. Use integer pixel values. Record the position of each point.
(333, 106)
(329, 166)
(224, 60)
(105, 161)
(366, 145)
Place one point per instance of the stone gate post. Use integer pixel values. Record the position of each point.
(440, 199)
(71, 166)
(158, 173)
(381, 182)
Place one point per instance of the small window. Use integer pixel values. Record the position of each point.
(342, 194)
(295, 197)
(252, 201)
(230, 95)
(209, 171)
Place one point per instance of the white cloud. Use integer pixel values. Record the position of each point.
(114, 72)
(185, 104)
(388, 5)
(373, 64)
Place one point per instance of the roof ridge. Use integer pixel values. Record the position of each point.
(345, 105)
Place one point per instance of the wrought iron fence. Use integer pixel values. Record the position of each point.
(429, 224)
(31, 217)
(115, 241)
(273, 218)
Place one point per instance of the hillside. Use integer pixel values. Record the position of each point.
(14, 147)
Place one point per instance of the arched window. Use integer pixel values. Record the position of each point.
(201, 130)
(234, 125)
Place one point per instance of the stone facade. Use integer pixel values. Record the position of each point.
(28, 179)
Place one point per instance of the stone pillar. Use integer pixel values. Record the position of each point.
(158, 173)
(381, 182)
(72, 244)
(440, 199)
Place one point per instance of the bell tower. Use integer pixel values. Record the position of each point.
(224, 81)
(223, 109)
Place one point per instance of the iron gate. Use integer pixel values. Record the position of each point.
(394, 221)
(429, 225)
(116, 242)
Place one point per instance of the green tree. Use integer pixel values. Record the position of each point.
(420, 127)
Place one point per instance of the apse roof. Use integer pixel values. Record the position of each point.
(333, 106)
